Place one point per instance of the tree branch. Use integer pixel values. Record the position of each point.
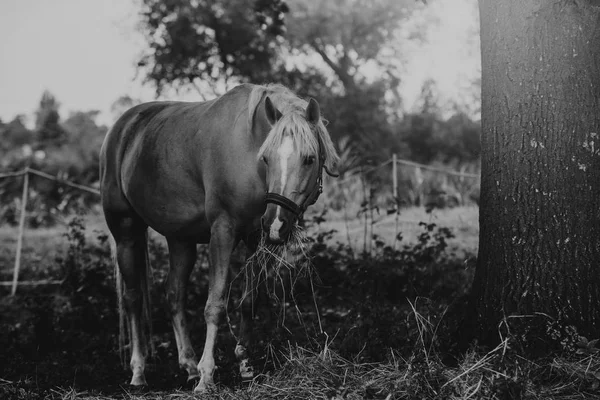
(342, 74)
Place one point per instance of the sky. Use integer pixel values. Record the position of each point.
(451, 56)
(84, 52)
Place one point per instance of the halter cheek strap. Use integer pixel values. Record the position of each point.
(290, 205)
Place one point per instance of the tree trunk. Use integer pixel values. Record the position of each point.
(539, 248)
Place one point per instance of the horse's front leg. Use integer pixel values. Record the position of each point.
(222, 242)
(254, 299)
(182, 257)
(248, 304)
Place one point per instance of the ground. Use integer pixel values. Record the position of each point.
(385, 324)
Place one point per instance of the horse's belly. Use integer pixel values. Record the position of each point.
(174, 218)
(197, 229)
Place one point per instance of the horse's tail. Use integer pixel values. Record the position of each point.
(146, 283)
(120, 290)
(124, 324)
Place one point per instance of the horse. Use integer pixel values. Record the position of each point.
(218, 172)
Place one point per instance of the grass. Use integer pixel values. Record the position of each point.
(304, 374)
(463, 220)
(43, 245)
(361, 332)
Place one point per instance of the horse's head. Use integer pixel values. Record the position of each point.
(294, 155)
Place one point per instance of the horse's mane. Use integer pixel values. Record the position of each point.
(293, 119)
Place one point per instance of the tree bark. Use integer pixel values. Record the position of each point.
(539, 246)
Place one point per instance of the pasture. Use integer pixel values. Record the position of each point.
(384, 325)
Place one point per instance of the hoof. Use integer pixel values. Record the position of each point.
(246, 370)
(138, 381)
(204, 387)
(192, 370)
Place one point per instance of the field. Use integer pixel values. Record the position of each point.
(381, 325)
(41, 246)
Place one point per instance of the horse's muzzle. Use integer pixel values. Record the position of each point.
(277, 229)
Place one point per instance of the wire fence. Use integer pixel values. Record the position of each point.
(26, 172)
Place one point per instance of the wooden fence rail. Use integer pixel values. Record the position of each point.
(25, 174)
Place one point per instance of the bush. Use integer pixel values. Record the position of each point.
(360, 303)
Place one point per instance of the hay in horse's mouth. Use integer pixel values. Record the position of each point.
(278, 267)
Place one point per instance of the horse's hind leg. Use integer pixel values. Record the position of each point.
(182, 256)
(130, 233)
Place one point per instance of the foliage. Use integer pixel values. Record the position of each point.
(47, 120)
(72, 155)
(192, 43)
(361, 115)
(358, 115)
(216, 42)
(84, 141)
(375, 343)
(62, 325)
(346, 34)
(430, 138)
(14, 136)
(318, 48)
(122, 104)
(84, 307)
(207, 41)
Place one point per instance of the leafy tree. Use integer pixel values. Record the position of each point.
(85, 140)
(47, 120)
(540, 178)
(122, 104)
(360, 118)
(15, 134)
(347, 34)
(206, 40)
(363, 117)
(351, 38)
(431, 138)
(201, 42)
(459, 139)
(418, 132)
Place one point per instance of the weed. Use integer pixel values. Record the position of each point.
(357, 305)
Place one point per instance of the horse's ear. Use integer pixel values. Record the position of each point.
(334, 172)
(313, 114)
(273, 114)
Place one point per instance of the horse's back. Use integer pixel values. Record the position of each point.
(160, 159)
(123, 135)
(152, 127)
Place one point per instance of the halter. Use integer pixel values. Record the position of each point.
(298, 210)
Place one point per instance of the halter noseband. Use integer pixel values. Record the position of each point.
(290, 205)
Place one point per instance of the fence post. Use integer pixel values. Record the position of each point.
(396, 200)
(21, 229)
(395, 177)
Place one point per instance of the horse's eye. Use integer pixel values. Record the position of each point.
(264, 159)
(309, 160)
